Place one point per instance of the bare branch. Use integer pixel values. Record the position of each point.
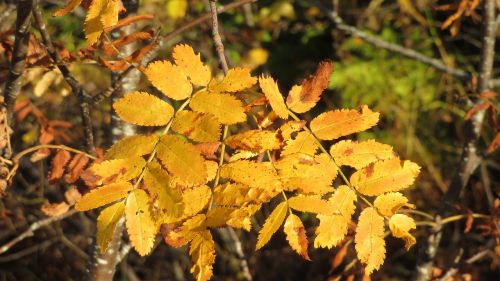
(76, 88)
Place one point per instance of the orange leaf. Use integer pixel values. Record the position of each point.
(296, 235)
(58, 163)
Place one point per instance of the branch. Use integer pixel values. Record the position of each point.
(18, 61)
(34, 227)
(76, 88)
(380, 43)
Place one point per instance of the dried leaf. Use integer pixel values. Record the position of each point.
(58, 164)
(302, 98)
(271, 91)
(296, 235)
(338, 123)
(70, 6)
(75, 168)
(400, 226)
(55, 209)
(272, 224)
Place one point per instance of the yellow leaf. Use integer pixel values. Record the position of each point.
(116, 170)
(304, 143)
(182, 160)
(170, 79)
(157, 183)
(385, 176)
(191, 64)
(176, 9)
(133, 146)
(272, 224)
(290, 127)
(218, 216)
(255, 58)
(235, 194)
(254, 141)
(202, 252)
(236, 80)
(311, 204)
(360, 154)
(302, 98)
(103, 195)
(196, 199)
(241, 217)
(70, 6)
(106, 224)
(101, 14)
(400, 226)
(330, 231)
(212, 169)
(338, 123)
(141, 108)
(271, 91)
(333, 228)
(389, 203)
(261, 175)
(296, 235)
(140, 225)
(200, 127)
(306, 173)
(242, 155)
(369, 239)
(228, 109)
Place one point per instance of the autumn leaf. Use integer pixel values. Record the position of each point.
(170, 79)
(272, 224)
(114, 170)
(202, 252)
(182, 159)
(226, 108)
(236, 80)
(389, 203)
(400, 226)
(196, 199)
(338, 123)
(189, 62)
(286, 130)
(261, 176)
(360, 154)
(70, 6)
(132, 146)
(311, 204)
(304, 142)
(140, 225)
(302, 98)
(369, 239)
(271, 91)
(176, 9)
(101, 14)
(201, 127)
(58, 164)
(385, 176)
(141, 108)
(254, 141)
(103, 195)
(296, 235)
(106, 224)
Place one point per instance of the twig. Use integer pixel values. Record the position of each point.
(28, 251)
(34, 227)
(219, 46)
(76, 88)
(380, 43)
(454, 269)
(18, 62)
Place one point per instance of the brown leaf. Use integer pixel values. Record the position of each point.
(129, 20)
(339, 257)
(75, 168)
(72, 195)
(312, 88)
(477, 108)
(494, 144)
(58, 163)
(55, 209)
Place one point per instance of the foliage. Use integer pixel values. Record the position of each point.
(289, 175)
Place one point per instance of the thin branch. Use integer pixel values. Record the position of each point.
(76, 88)
(18, 61)
(34, 227)
(219, 46)
(380, 43)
